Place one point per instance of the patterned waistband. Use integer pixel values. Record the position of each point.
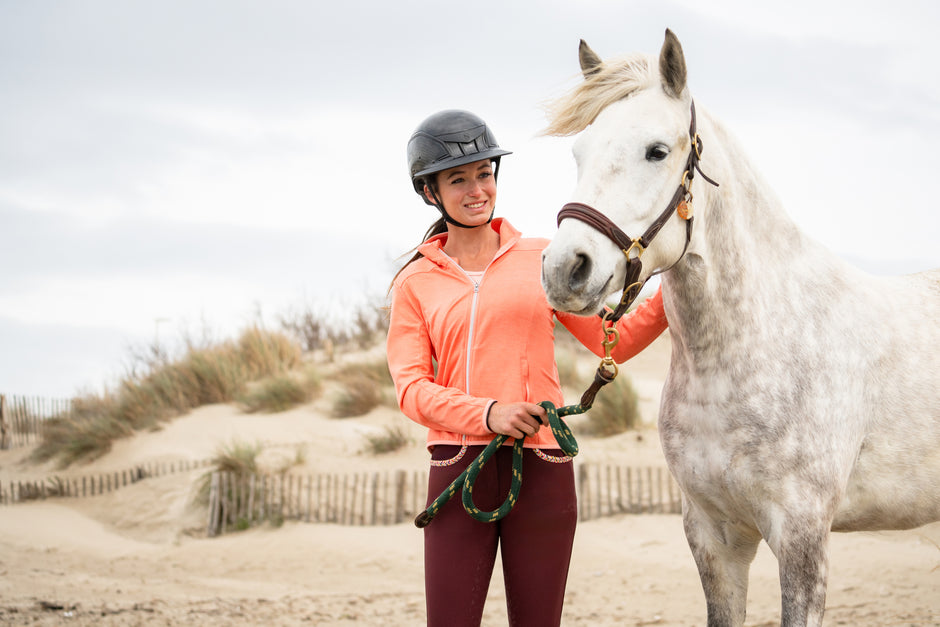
(442, 463)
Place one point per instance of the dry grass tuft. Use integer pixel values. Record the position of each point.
(361, 388)
(616, 409)
(238, 458)
(391, 439)
(567, 362)
(280, 393)
(357, 395)
(213, 374)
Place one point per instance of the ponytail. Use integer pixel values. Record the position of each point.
(439, 226)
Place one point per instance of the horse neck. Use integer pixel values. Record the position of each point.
(745, 248)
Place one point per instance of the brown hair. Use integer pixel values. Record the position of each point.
(439, 226)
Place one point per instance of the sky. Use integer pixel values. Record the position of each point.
(176, 166)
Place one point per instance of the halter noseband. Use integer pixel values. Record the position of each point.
(633, 248)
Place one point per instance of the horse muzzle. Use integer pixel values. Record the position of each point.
(572, 283)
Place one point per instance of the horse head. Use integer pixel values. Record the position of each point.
(635, 158)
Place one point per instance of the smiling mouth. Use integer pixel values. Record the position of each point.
(476, 205)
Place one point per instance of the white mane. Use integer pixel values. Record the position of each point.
(615, 80)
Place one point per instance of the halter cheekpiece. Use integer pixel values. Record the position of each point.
(633, 248)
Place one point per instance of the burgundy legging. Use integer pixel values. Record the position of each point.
(535, 540)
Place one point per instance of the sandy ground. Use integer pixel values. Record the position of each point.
(139, 556)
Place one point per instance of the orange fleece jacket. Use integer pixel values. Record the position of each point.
(491, 343)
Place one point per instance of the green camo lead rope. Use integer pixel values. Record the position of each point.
(468, 477)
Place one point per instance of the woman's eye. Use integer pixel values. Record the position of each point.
(657, 152)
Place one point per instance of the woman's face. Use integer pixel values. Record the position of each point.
(468, 192)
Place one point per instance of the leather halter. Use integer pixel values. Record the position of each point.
(633, 248)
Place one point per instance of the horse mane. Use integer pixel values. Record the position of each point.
(614, 80)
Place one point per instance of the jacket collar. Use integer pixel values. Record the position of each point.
(508, 236)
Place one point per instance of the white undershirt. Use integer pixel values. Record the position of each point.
(476, 277)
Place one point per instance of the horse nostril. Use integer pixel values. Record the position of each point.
(580, 270)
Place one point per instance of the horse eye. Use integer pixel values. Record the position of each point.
(656, 152)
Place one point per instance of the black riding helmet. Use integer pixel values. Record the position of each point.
(445, 140)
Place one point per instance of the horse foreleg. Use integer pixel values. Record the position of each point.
(723, 554)
(802, 551)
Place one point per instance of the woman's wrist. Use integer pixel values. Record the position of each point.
(486, 417)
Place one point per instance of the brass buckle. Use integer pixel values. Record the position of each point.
(625, 295)
(638, 246)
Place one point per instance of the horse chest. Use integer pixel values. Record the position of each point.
(725, 453)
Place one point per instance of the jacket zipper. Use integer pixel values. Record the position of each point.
(473, 308)
(473, 317)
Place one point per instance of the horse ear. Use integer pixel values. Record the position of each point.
(672, 65)
(590, 62)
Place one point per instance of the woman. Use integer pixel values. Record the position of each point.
(471, 351)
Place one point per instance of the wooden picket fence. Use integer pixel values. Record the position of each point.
(90, 485)
(605, 490)
(380, 498)
(237, 502)
(22, 418)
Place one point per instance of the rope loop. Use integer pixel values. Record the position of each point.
(466, 480)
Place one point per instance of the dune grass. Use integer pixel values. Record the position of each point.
(616, 409)
(213, 374)
(567, 363)
(361, 388)
(391, 439)
(281, 392)
(357, 395)
(237, 457)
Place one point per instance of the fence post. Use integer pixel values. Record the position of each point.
(373, 516)
(262, 499)
(400, 496)
(661, 507)
(4, 429)
(211, 528)
(598, 495)
(251, 499)
(583, 498)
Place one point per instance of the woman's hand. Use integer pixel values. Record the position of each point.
(517, 420)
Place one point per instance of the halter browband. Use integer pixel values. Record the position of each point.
(628, 245)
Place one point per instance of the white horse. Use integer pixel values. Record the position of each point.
(803, 395)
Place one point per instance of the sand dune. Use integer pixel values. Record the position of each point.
(140, 556)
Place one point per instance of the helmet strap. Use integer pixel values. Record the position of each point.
(440, 207)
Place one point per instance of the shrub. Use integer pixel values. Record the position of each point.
(71, 439)
(211, 374)
(239, 458)
(376, 371)
(358, 395)
(279, 393)
(568, 374)
(264, 353)
(306, 326)
(615, 410)
(391, 439)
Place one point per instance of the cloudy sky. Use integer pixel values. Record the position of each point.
(168, 166)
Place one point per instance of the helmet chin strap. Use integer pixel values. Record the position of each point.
(440, 207)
